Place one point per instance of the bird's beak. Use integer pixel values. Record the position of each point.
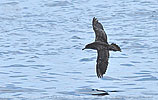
(83, 48)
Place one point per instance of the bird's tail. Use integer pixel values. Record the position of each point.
(114, 47)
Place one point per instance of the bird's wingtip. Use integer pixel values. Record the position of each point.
(100, 76)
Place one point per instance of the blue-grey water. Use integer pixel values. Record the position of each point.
(41, 56)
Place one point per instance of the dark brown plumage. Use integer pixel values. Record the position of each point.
(102, 47)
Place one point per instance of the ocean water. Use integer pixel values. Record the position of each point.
(41, 56)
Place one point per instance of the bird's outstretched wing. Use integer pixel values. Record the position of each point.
(102, 62)
(99, 31)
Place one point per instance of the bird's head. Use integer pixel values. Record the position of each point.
(88, 46)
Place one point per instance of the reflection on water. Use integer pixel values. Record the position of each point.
(41, 53)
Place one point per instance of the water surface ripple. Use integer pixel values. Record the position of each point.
(41, 42)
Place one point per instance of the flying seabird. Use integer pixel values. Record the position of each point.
(101, 45)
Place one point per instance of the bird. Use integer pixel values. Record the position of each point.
(102, 46)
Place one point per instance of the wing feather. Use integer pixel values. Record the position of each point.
(99, 31)
(102, 62)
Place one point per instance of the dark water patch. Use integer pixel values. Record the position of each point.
(90, 51)
(48, 77)
(64, 48)
(129, 65)
(17, 82)
(91, 76)
(13, 89)
(54, 80)
(18, 35)
(30, 61)
(48, 53)
(76, 78)
(12, 52)
(55, 74)
(145, 71)
(58, 3)
(34, 67)
(18, 76)
(149, 78)
(137, 88)
(40, 66)
(23, 39)
(15, 65)
(135, 62)
(9, 3)
(91, 81)
(148, 36)
(118, 57)
(16, 72)
(45, 77)
(44, 80)
(139, 76)
(1, 53)
(137, 52)
(87, 59)
(18, 94)
(130, 77)
(73, 72)
(139, 46)
(149, 61)
(109, 78)
(142, 73)
(145, 57)
(4, 73)
(43, 72)
(16, 52)
(9, 58)
(75, 37)
(48, 69)
(129, 84)
(50, 88)
(23, 79)
(94, 97)
(5, 98)
(74, 41)
(84, 87)
(9, 19)
(76, 31)
(152, 93)
(6, 46)
(109, 87)
(68, 93)
(29, 50)
(77, 47)
(124, 54)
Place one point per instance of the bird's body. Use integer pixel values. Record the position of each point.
(101, 45)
